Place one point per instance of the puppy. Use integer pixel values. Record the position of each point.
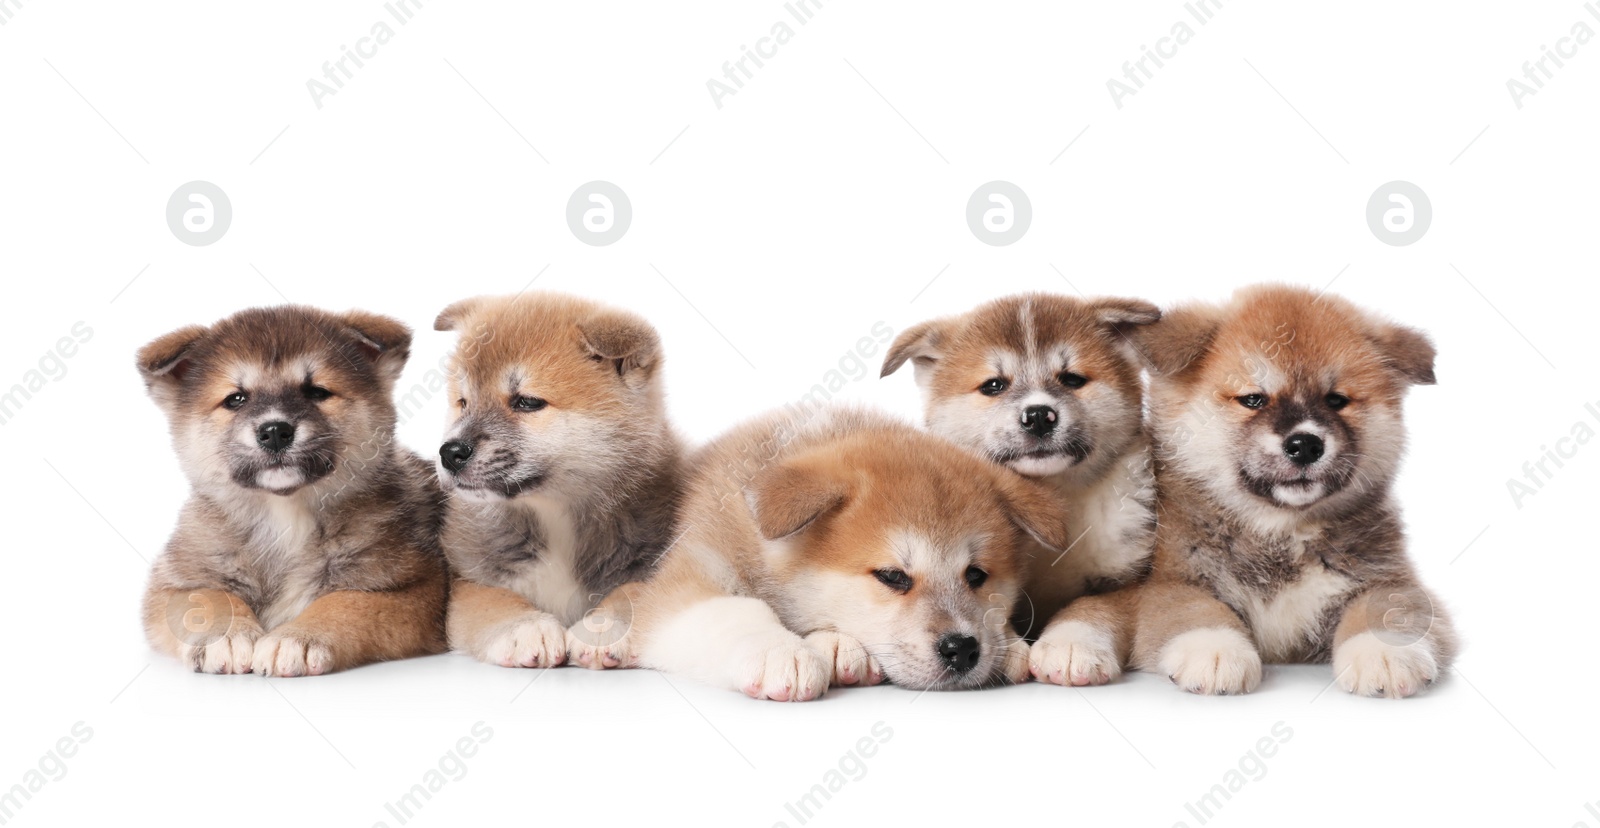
(562, 474)
(842, 548)
(1050, 387)
(310, 539)
(1277, 424)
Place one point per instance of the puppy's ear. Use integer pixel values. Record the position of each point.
(1408, 350)
(1034, 508)
(450, 318)
(384, 341)
(626, 341)
(164, 363)
(922, 344)
(1169, 346)
(790, 496)
(1124, 314)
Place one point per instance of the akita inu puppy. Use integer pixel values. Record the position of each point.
(562, 474)
(310, 539)
(1050, 386)
(842, 547)
(1278, 432)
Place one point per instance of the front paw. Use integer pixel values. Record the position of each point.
(289, 653)
(600, 641)
(233, 652)
(1074, 653)
(1014, 660)
(535, 640)
(852, 664)
(788, 671)
(1366, 665)
(1212, 661)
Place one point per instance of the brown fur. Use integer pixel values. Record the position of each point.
(336, 569)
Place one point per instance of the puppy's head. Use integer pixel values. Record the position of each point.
(549, 394)
(1281, 400)
(908, 544)
(277, 398)
(1041, 383)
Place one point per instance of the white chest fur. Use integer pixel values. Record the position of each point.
(550, 581)
(283, 527)
(1110, 525)
(1284, 623)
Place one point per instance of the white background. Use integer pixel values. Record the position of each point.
(783, 225)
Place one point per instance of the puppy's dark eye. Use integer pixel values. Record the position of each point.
(1072, 380)
(1336, 401)
(235, 401)
(1252, 400)
(993, 387)
(461, 403)
(521, 403)
(894, 579)
(316, 393)
(976, 577)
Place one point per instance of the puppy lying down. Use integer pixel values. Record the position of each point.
(843, 547)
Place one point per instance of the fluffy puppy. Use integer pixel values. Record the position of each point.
(1278, 432)
(310, 539)
(842, 548)
(562, 474)
(1050, 386)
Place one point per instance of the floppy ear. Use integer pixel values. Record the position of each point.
(1124, 314)
(1409, 351)
(164, 362)
(790, 496)
(451, 317)
(1177, 340)
(628, 342)
(923, 344)
(384, 341)
(1033, 508)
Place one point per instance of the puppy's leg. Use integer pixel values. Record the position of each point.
(348, 628)
(1088, 641)
(1392, 641)
(1187, 635)
(732, 642)
(498, 626)
(851, 660)
(600, 640)
(208, 630)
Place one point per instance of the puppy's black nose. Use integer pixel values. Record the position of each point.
(275, 436)
(958, 651)
(1039, 420)
(455, 455)
(1303, 449)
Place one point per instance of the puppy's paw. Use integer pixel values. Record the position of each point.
(1014, 660)
(1074, 653)
(289, 653)
(535, 640)
(1213, 661)
(851, 662)
(233, 652)
(600, 641)
(1366, 665)
(787, 671)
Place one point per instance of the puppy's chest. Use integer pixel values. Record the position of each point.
(284, 558)
(1112, 527)
(1285, 591)
(539, 561)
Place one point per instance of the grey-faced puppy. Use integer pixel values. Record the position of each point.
(309, 542)
(562, 473)
(1050, 386)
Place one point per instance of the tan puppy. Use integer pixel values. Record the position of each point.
(842, 548)
(309, 543)
(1277, 421)
(562, 473)
(1050, 386)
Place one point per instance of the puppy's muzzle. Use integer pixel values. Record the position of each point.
(455, 455)
(958, 651)
(1303, 449)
